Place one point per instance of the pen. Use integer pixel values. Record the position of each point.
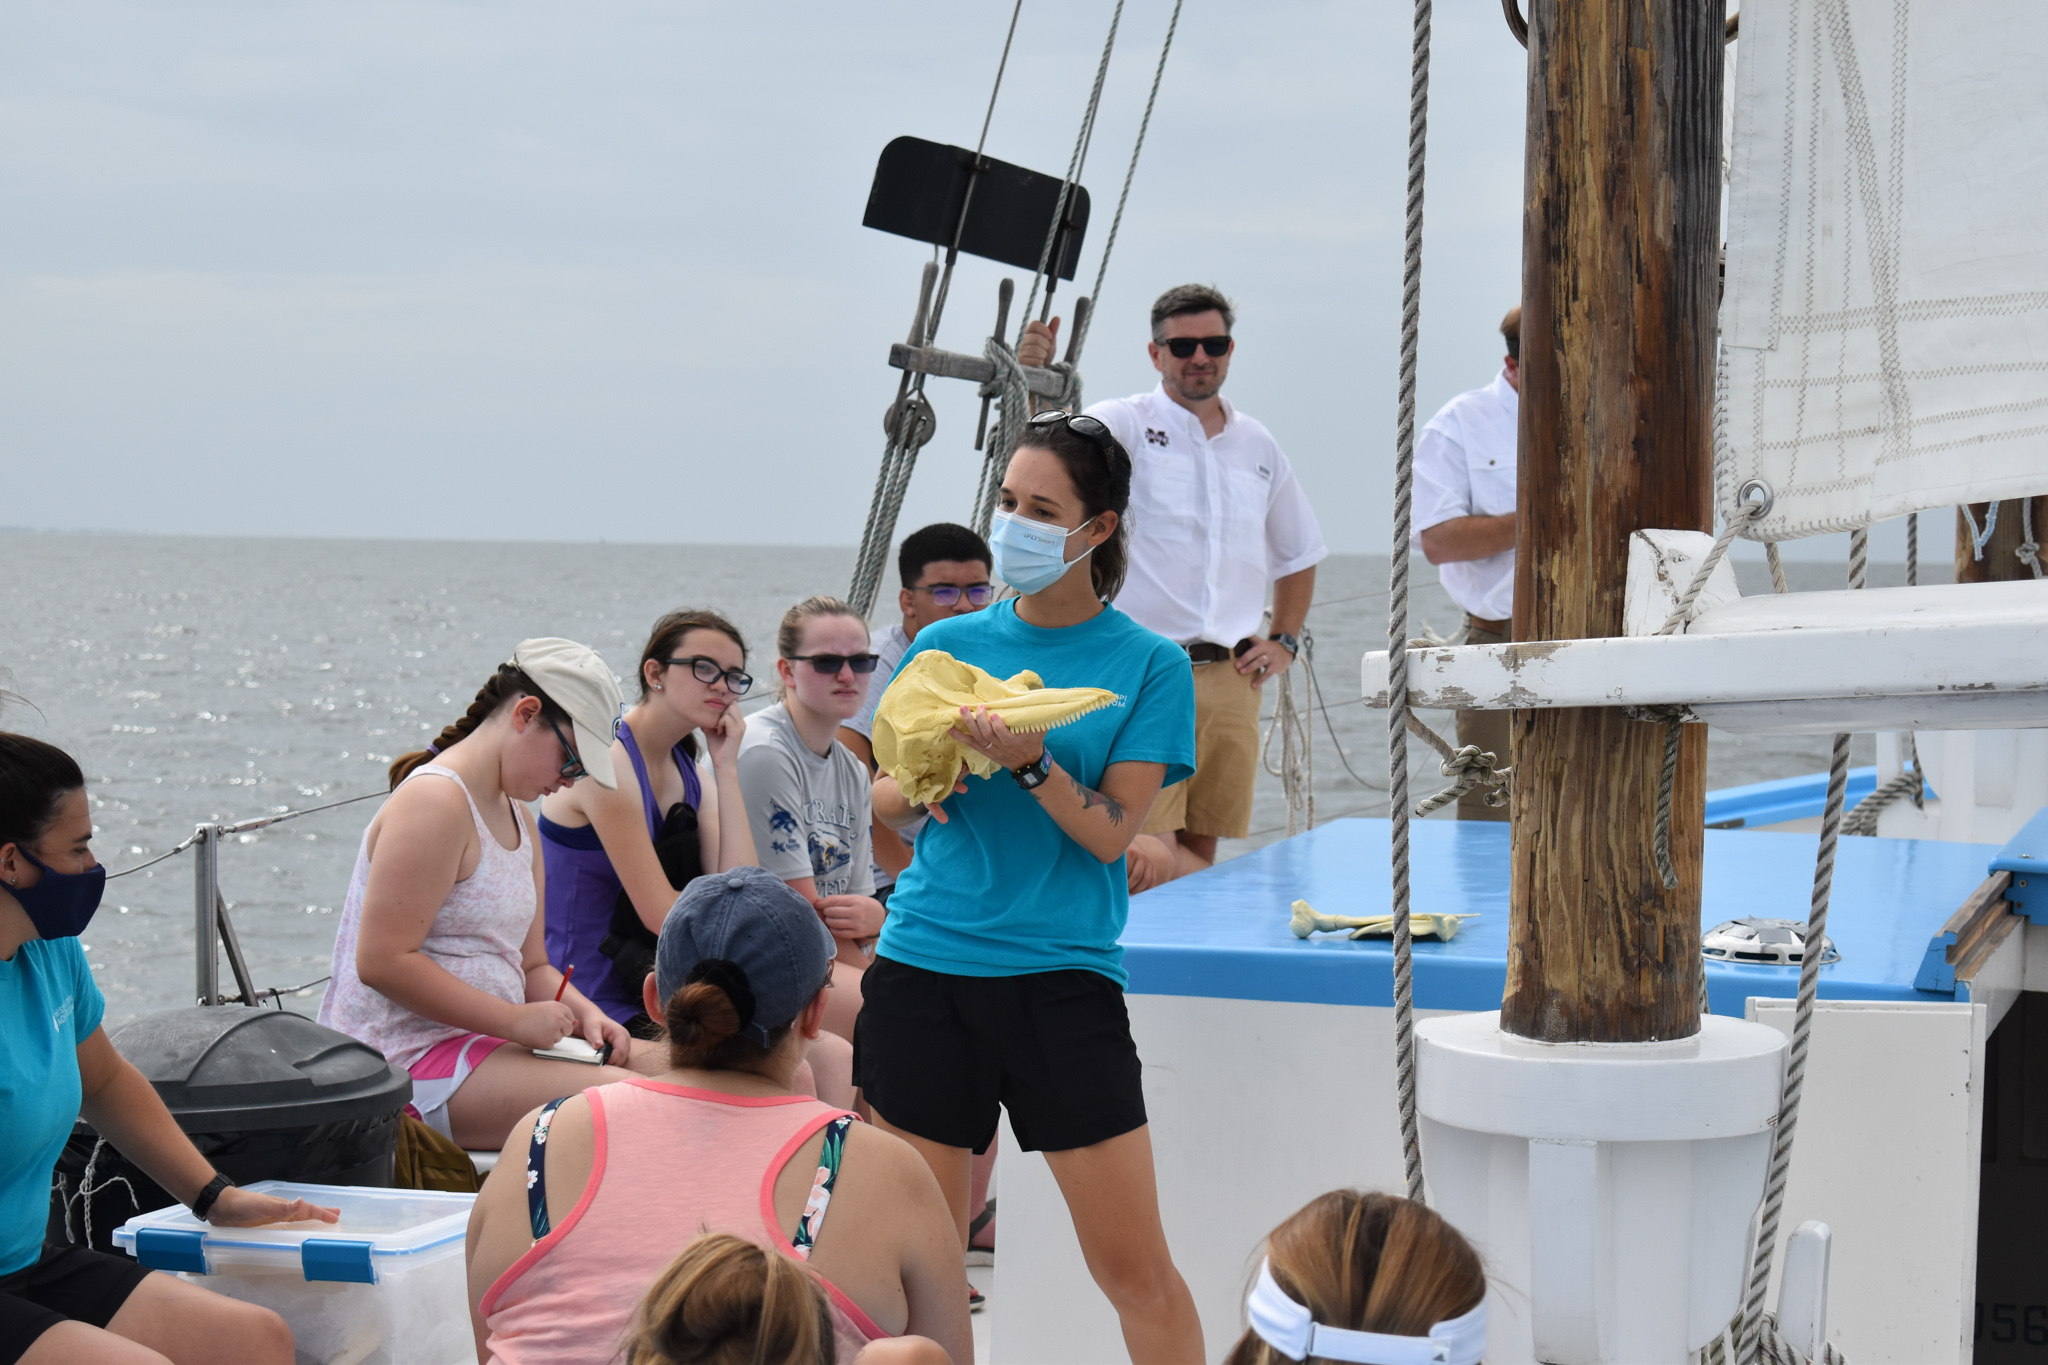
(567, 972)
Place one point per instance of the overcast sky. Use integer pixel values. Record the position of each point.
(514, 270)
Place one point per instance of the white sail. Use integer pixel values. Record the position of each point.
(1885, 320)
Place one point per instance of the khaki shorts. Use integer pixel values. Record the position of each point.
(1488, 730)
(1217, 800)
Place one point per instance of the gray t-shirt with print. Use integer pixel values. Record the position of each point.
(809, 812)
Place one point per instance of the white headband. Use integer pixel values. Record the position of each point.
(1288, 1328)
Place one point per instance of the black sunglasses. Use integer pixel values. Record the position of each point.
(572, 769)
(1183, 347)
(829, 664)
(708, 671)
(1081, 424)
(947, 594)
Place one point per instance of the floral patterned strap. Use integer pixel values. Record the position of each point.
(536, 1179)
(821, 1186)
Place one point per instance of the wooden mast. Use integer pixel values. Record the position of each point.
(2000, 563)
(1621, 225)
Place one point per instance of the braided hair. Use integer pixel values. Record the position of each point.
(507, 685)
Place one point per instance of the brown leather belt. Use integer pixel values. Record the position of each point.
(1497, 627)
(1205, 652)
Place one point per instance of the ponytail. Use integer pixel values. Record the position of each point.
(507, 684)
(728, 1301)
(704, 1023)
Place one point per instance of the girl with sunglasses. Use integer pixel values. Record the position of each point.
(439, 961)
(998, 982)
(807, 794)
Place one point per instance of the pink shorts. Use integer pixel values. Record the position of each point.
(440, 1072)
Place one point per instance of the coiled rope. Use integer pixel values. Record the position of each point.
(1750, 1339)
(1397, 605)
(1293, 727)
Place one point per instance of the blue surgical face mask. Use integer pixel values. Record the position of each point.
(62, 903)
(1029, 555)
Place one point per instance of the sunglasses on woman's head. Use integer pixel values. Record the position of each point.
(708, 671)
(1184, 347)
(1081, 424)
(572, 766)
(947, 594)
(829, 664)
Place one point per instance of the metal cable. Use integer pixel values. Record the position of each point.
(244, 827)
(1397, 606)
(931, 330)
(1130, 172)
(1750, 1342)
(190, 840)
(1074, 164)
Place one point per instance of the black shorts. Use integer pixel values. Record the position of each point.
(69, 1282)
(936, 1055)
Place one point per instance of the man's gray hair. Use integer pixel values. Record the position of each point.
(1191, 298)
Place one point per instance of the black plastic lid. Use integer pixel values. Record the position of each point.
(234, 1068)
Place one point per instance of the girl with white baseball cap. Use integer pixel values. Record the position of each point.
(440, 959)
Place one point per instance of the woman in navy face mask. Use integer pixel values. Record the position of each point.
(60, 1302)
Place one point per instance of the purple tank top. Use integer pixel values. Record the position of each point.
(582, 888)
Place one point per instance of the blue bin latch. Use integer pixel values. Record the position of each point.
(337, 1258)
(172, 1249)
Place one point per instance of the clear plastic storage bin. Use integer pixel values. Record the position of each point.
(383, 1286)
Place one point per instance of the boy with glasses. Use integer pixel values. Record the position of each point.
(1216, 518)
(945, 572)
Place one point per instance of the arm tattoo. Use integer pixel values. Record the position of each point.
(1090, 798)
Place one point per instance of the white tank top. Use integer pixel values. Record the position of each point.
(478, 937)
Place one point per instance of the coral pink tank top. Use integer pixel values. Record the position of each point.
(666, 1161)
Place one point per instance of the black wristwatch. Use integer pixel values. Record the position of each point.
(1033, 774)
(203, 1205)
(1286, 642)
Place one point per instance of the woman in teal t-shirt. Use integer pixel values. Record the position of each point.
(59, 1302)
(998, 982)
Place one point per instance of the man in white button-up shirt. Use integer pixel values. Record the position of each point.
(1216, 519)
(1465, 525)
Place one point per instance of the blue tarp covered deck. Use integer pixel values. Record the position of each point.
(1224, 934)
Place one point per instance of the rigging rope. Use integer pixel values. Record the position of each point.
(1074, 165)
(1087, 319)
(931, 331)
(1750, 1340)
(1397, 605)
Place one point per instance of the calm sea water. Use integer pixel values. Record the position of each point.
(219, 679)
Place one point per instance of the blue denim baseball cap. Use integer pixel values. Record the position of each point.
(752, 936)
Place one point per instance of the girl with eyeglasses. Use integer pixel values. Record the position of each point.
(807, 794)
(998, 983)
(617, 857)
(440, 960)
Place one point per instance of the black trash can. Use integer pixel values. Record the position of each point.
(265, 1094)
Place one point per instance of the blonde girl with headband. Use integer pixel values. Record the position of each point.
(440, 962)
(1366, 1278)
